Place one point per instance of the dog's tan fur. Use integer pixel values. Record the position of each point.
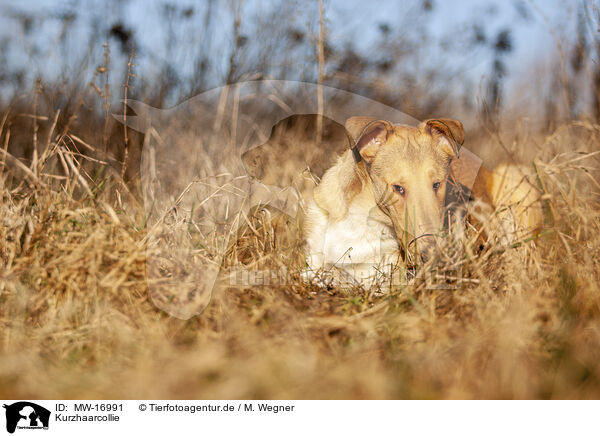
(390, 191)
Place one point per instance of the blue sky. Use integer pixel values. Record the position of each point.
(354, 20)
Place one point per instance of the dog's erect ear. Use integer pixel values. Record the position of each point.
(372, 137)
(355, 126)
(450, 132)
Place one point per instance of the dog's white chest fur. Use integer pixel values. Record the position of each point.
(363, 236)
(358, 238)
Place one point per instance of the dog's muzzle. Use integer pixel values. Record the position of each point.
(421, 248)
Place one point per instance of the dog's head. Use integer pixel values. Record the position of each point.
(407, 170)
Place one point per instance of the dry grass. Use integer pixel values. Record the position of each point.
(77, 320)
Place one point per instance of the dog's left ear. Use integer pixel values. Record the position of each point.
(369, 135)
(450, 132)
(355, 126)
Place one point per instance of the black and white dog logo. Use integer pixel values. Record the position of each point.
(26, 415)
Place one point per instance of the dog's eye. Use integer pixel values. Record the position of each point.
(436, 186)
(398, 189)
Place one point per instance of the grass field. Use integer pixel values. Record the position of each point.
(77, 319)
